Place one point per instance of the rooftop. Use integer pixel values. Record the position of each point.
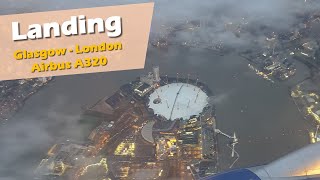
(178, 100)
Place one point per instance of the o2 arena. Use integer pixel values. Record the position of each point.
(178, 100)
(173, 98)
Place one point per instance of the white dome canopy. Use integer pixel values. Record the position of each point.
(178, 100)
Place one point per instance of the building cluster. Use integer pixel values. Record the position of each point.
(276, 55)
(140, 170)
(97, 170)
(190, 139)
(169, 35)
(126, 148)
(273, 50)
(120, 116)
(14, 93)
(306, 96)
(62, 157)
(280, 68)
(190, 144)
(166, 147)
(138, 143)
(147, 82)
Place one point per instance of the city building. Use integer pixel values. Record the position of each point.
(61, 157)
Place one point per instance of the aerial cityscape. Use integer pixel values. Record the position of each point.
(159, 127)
(232, 89)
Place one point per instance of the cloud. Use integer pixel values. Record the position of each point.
(18, 141)
(220, 98)
(23, 142)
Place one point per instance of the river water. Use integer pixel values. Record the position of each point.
(262, 114)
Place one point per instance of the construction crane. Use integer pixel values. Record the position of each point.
(234, 140)
(232, 145)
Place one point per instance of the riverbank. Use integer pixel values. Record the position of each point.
(16, 92)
